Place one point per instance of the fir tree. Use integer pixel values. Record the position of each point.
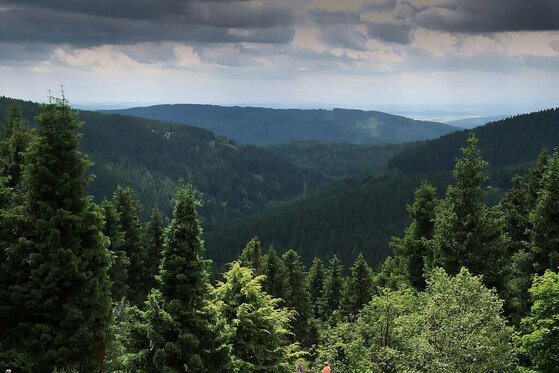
(61, 295)
(182, 328)
(358, 289)
(128, 210)
(467, 233)
(118, 273)
(15, 137)
(414, 247)
(332, 290)
(296, 294)
(154, 246)
(315, 285)
(259, 328)
(251, 256)
(274, 270)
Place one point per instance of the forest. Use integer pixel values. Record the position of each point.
(85, 287)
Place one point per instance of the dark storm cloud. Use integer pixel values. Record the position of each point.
(384, 6)
(86, 24)
(487, 16)
(391, 32)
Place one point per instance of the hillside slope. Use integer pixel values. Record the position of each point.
(151, 156)
(263, 126)
(361, 214)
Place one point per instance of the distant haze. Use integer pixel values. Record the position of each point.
(418, 55)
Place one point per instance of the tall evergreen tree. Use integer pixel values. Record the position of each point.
(61, 295)
(128, 210)
(118, 273)
(182, 326)
(415, 247)
(251, 256)
(274, 270)
(358, 289)
(332, 290)
(154, 246)
(296, 294)
(259, 327)
(315, 285)
(467, 233)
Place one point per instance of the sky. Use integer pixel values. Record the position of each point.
(488, 56)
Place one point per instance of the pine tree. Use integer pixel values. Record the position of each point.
(296, 294)
(274, 270)
(61, 295)
(414, 249)
(251, 256)
(182, 326)
(467, 233)
(127, 207)
(358, 289)
(154, 246)
(315, 285)
(258, 325)
(332, 290)
(118, 273)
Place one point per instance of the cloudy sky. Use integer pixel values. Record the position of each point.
(416, 54)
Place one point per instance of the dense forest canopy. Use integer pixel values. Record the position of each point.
(470, 287)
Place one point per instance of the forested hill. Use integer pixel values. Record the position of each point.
(263, 126)
(361, 214)
(151, 156)
(505, 142)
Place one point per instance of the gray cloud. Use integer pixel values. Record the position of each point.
(391, 32)
(379, 6)
(343, 36)
(323, 17)
(483, 16)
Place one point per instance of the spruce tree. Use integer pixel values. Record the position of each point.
(61, 296)
(251, 256)
(467, 233)
(15, 137)
(258, 326)
(274, 270)
(118, 273)
(128, 210)
(154, 246)
(332, 290)
(414, 249)
(315, 285)
(296, 294)
(182, 326)
(358, 289)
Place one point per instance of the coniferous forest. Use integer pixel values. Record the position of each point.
(470, 286)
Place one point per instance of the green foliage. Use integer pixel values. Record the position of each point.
(338, 160)
(251, 256)
(60, 293)
(315, 284)
(458, 327)
(541, 341)
(258, 326)
(415, 248)
(358, 288)
(127, 208)
(274, 270)
(467, 233)
(154, 231)
(332, 289)
(182, 327)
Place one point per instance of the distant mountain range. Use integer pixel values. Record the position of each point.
(263, 126)
(472, 122)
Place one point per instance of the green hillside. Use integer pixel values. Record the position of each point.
(361, 214)
(263, 126)
(151, 156)
(338, 160)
